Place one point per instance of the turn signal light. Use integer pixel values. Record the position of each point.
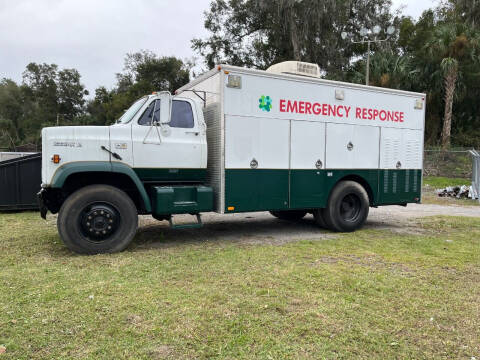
(56, 159)
(231, 208)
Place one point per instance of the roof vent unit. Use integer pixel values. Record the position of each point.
(295, 68)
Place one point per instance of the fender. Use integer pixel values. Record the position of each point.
(68, 169)
(368, 178)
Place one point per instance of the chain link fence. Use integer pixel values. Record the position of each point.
(455, 163)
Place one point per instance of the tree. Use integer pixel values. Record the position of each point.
(466, 11)
(258, 33)
(11, 104)
(15, 110)
(453, 46)
(70, 93)
(143, 73)
(45, 92)
(56, 92)
(40, 85)
(387, 69)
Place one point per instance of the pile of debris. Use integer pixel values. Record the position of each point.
(459, 192)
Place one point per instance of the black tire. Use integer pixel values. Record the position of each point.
(347, 208)
(289, 215)
(319, 220)
(97, 219)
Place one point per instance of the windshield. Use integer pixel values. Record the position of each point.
(130, 113)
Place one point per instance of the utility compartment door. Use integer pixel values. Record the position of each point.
(352, 146)
(401, 165)
(256, 163)
(307, 160)
(401, 149)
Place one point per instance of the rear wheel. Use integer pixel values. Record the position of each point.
(290, 215)
(347, 208)
(97, 219)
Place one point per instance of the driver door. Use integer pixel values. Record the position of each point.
(160, 150)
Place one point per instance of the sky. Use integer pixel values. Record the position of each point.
(93, 36)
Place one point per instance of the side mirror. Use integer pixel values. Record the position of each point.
(165, 107)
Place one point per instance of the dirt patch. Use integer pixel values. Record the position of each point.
(134, 319)
(393, 214)
(263, 228)
(248, 229)
(371, 261)
(163, 352)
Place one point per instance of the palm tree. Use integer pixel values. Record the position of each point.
(451, 46)
(387, 69)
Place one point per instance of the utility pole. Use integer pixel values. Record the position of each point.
(367, 73)
(364, 32)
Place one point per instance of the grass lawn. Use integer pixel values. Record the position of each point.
(438, 182)
(371, 294)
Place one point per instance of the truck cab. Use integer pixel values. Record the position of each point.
(156, 153)
(162, 138)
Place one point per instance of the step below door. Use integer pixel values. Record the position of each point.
(256, 164)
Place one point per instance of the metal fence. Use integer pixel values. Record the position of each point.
(20, 181)
(13, 155)
(455, 163)
(475, 174)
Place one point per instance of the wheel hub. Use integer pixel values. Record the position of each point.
(350, 207)
(99, 221)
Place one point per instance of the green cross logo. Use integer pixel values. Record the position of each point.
(265, 103)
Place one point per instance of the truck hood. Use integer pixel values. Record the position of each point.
(72, 143)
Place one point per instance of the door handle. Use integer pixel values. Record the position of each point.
(192, 132)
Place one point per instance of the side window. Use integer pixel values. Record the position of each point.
(152, 112)
(182, 115)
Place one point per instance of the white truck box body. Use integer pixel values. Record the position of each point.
(303, 132)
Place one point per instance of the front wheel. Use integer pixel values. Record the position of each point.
(97, 219)
(347, 208)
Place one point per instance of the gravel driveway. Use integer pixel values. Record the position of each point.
(263, 228)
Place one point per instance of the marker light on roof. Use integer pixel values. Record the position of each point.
(234, 81)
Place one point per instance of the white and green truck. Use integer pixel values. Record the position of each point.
(236, 140)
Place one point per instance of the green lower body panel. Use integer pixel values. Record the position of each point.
(167, 200)
(262, 189)
(399, 186)
(256, 189)
(310, 188)
(171, 175)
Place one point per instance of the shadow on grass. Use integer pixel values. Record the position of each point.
(239, 229)
(243, 229)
